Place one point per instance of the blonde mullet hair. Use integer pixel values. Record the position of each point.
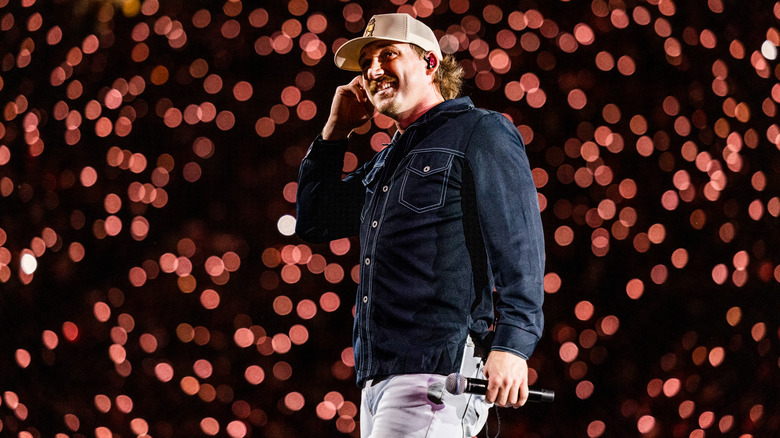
(449, 77)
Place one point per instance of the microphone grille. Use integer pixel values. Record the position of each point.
(455, 384)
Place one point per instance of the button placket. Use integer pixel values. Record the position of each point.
(374, 214)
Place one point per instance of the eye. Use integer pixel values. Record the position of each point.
(365, 63)
(387, 55)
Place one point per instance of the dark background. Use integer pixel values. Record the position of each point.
(661, 316)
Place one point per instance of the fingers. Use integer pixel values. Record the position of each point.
(354, 91)
(507, 376)
(506, 392)
(350, 109)
(349, 91)
(511, 399)
(355, 86)
(364, 96)
(522, 396)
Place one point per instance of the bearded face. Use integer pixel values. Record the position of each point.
(395, 78)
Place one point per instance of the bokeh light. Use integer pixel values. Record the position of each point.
(151, 283)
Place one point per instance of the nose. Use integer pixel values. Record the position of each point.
(374, 69)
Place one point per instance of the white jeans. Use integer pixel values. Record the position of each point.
(399, 406)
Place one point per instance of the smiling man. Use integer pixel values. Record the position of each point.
(448, 217)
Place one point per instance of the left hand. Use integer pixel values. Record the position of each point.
(507, 376)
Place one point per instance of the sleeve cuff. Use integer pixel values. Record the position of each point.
(514, 340)
(327, 149)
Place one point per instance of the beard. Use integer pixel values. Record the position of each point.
(389, 107)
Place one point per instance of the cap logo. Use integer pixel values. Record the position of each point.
(370, 28)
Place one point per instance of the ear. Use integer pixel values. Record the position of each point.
(431, 61)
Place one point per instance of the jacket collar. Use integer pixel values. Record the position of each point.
(448, 107)
(452, 106)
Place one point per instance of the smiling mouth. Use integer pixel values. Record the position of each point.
(381, 85)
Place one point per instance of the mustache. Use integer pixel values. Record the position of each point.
(374, 83)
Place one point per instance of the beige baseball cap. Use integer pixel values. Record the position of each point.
(402, 28)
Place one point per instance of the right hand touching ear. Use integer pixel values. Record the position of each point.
(349, 110)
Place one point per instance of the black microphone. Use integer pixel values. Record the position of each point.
(457, 384)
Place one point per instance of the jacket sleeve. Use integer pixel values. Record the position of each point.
(327, 207)
(508, 211)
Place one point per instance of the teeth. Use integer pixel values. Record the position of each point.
(383, 85)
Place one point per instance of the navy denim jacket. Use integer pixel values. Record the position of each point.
(416, 298)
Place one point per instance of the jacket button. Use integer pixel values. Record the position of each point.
(427, 169)
(385, 188)
(374, 224)
(368, 261)
(365, 299)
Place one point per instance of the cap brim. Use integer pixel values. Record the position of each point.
(348, 55)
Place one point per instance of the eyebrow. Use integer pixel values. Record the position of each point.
(380, 46)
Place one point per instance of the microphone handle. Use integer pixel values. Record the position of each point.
(479, 386)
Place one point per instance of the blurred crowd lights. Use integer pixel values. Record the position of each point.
(706, 141)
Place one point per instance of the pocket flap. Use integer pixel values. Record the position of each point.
(429, 163)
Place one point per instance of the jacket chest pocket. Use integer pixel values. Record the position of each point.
(424, 184)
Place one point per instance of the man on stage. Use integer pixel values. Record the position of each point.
(446, 214)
